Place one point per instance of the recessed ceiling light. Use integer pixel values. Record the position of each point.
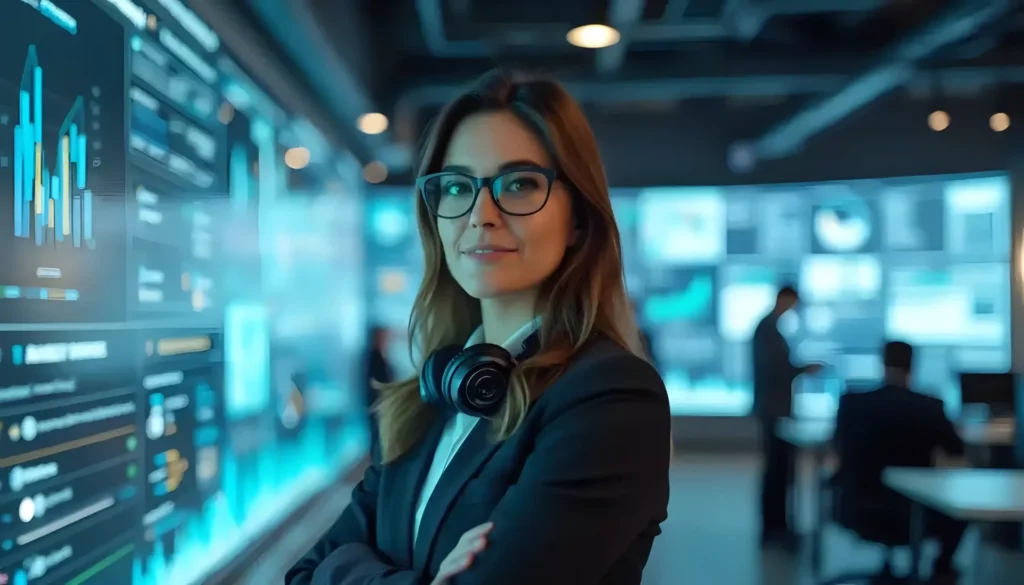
(593, 36)
(938, 120)
(999, 122)
(375, 172)
(372, 123)
(297, 158)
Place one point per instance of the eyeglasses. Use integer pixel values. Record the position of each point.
(522, 191)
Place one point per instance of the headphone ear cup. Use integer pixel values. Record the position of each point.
(432, 375)
(476, 379)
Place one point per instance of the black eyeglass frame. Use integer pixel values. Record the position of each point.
(480, 182)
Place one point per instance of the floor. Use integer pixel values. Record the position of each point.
(710, 536)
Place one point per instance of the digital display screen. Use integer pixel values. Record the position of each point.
(143, 440)
(923, 260)
(395, 263)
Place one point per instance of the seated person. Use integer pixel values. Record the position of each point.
(893, 426)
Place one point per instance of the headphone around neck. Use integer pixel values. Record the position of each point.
(472, 380)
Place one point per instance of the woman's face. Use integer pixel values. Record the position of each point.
(489, 253)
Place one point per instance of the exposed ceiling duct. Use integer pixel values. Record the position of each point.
(740, 20)
(896, 67)
(595, 89)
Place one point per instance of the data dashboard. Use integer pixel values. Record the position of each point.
(144, 437)
(924, 260)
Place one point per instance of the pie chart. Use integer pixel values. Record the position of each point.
(844, 225)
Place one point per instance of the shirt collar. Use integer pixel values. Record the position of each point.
(514, 344)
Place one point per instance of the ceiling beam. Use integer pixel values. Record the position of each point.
(295, 28)
(431, 17)
(424, 96)
(623, 15)
(896, 67)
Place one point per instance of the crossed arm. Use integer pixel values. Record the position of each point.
(595, 480)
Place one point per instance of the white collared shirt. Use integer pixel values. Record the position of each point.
(459, 426)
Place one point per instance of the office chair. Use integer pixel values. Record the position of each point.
(869, 528)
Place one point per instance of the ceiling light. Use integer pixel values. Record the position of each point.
(938, 120)
(372, 123)
(375, 172)
(296, 158)
(226, 113)
(593, 36)
(999, 122)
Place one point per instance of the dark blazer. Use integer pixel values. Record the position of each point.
(773, 372)
(645, 342)
(888, 427)
(576, 494)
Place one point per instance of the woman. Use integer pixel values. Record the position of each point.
(539, 453)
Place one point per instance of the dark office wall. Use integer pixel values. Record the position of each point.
(889, 138)
(687, 144)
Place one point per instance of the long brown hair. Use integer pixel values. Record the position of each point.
(585, 295)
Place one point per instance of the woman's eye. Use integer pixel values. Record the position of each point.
(455, 189)
(517, 185)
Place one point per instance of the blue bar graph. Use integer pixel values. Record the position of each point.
(18, 180)
(76, 218)
(87, 213)
(51, 201)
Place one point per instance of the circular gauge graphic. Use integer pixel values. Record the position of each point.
(844, 225)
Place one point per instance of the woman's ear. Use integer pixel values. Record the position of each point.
(576, 231)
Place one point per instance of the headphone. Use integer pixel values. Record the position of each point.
(472, 380)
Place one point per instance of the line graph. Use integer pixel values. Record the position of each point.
(51, 202)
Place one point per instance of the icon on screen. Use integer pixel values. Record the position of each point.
(843, 226)
(18, 355)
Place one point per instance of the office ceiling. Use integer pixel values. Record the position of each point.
(835, 56)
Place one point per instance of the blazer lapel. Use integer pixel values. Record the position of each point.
(473, 453)
(399, 492)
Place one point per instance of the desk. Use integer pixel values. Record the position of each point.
(811, 434)
(971, 495)
(815, 437)
(991, 434)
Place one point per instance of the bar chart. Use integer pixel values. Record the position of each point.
(52, 202)
(62, 171)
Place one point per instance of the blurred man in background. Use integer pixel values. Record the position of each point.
(773, 374)
(893, 427)
(377, 367)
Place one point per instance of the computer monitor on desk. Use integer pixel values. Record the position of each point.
(995, 390)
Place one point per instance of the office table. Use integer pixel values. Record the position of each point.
(971, 495)
(814, 436)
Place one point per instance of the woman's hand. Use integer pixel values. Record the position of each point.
(472, 542)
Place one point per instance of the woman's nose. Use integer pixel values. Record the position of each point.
(485, 212)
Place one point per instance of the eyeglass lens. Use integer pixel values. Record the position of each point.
(451, 195)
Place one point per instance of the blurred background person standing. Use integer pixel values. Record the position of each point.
(774, 373)
(378, 369)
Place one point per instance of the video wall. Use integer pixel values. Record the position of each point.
(925, 260)
(153, 421)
